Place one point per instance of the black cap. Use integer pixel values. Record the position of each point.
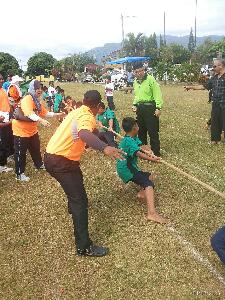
(138, 65)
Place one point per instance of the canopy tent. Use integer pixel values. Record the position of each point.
(128, 59)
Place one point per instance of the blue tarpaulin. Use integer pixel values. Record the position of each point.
(128, 59)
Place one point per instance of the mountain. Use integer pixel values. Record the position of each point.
(99, 52)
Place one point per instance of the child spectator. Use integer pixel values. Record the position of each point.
(51, 95)
(45, 94)
(106, 118)
(128, 169)
(58, 100)
(109, 88)
(69, 105)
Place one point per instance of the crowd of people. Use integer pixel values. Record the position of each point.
(89, 123)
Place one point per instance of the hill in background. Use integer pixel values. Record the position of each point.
(99, 52)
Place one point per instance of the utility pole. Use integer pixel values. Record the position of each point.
(196, 22)
(122, 31)
(164, 28)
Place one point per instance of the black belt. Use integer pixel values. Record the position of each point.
(151, 103)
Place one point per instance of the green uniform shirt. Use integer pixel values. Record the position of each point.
(147, 90)
(128, 167)
(104, 119)
(57, 102)
(45, 96)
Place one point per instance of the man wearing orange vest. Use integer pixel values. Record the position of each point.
(62, 161)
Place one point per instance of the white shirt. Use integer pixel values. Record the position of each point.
(51, 91)
(109, 88)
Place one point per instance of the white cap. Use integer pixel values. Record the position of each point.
(16, 78)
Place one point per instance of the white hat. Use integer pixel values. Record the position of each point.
(16, 78)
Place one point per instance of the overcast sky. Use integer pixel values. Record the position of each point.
(62, 27)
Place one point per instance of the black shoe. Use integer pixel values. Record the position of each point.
(93, 250)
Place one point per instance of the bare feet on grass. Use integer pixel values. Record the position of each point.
(157, 218)
(141, 194)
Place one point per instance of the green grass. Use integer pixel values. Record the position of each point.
(146, 261)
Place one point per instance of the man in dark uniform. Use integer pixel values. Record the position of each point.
(147, 104)
(217, 85)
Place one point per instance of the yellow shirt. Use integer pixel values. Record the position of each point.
(66, 141)
(24, 128)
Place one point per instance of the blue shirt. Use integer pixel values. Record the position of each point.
(6, 85)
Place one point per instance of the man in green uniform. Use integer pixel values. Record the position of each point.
(147, 104)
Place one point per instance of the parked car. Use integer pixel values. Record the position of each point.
(88, 79)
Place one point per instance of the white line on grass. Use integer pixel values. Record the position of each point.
(196, 254)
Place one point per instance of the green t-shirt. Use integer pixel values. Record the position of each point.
(147, 90)
(128, 167)
(104, 119)
(45, 96)
(57, 101)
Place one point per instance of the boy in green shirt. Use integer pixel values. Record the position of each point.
(128, 169)
(58, 100)
(106, 118)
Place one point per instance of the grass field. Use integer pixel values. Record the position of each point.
(146, 261)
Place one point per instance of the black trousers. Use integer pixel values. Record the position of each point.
(69, 175)
(108, 138)
(6, 144)
(22, 144)
(217, 121)
(110, 101)
(148, 123)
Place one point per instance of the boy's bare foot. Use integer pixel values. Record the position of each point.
(141, 195)
(157, 218)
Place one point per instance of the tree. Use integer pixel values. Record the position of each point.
(191, 43)
(161, 41)
(134, 45)
(40, 64)
(218, 49)
(8, 65)
(205, 52)
(154, 41)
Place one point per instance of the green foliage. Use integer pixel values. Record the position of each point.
(161, 41)
(8, 64)
(203, 54)
(40, 64)
(134, 45)
(218, 49)
(68, 66)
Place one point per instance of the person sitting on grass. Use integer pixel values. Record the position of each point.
(106, 118)
(128, 169)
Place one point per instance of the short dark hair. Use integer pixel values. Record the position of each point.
(138, 65)
(128, 123)
(67, 98)
(92, 98)
(102, 105)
